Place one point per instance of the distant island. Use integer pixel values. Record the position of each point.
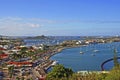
(38, 37)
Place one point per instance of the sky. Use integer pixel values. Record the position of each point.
(59, 17)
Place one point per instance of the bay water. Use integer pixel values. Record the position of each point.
(90, 60)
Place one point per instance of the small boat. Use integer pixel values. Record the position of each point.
(81, 52)
(93, 54)
(54, 63)
(95, 50)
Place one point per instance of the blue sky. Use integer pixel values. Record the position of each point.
(59, 17)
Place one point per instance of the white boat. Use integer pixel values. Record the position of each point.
(54, 63)
(81, 52)
(93, 54)
(95, 50)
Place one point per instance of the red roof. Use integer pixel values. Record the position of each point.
(3, 55)
(2, 48)
(20, 63)
(42, 78)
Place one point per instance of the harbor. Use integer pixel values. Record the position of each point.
(21, 60)
(72, 58)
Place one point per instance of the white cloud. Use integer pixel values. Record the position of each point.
(42, 20)
(33, 25)
(18, 22)
(18, 26)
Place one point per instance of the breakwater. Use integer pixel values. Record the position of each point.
(102, 65)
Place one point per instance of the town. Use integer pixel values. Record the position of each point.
(20, 62)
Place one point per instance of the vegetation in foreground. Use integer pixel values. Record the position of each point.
(59, 72)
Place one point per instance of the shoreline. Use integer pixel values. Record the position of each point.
(57, 52)
(63, 48)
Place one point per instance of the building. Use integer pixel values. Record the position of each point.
(3, 56)
(19, 64)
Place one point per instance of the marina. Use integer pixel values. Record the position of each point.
(35, 57)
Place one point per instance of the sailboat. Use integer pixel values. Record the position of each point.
(81, 52)
(95, 50)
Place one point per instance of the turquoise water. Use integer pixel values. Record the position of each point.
(90, 60)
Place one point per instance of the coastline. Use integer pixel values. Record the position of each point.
(57, 52)
(63, 48)
(49, 62)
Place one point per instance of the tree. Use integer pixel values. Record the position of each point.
(14, 56)
(59, 71)
(10, 69)
(113, 75)
(24, 49)
(17, 78)
(116, 63)
(1, 52)
(22, 78)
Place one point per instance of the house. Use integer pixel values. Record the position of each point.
(3, 56)
(1, 48)
(20, 64)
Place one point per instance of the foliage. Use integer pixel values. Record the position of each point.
(22, 78)
(113, 75)
(10, 69)
(59, 72)
(116, 63)
(24, 49)
(1, 52)
(17, 78)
